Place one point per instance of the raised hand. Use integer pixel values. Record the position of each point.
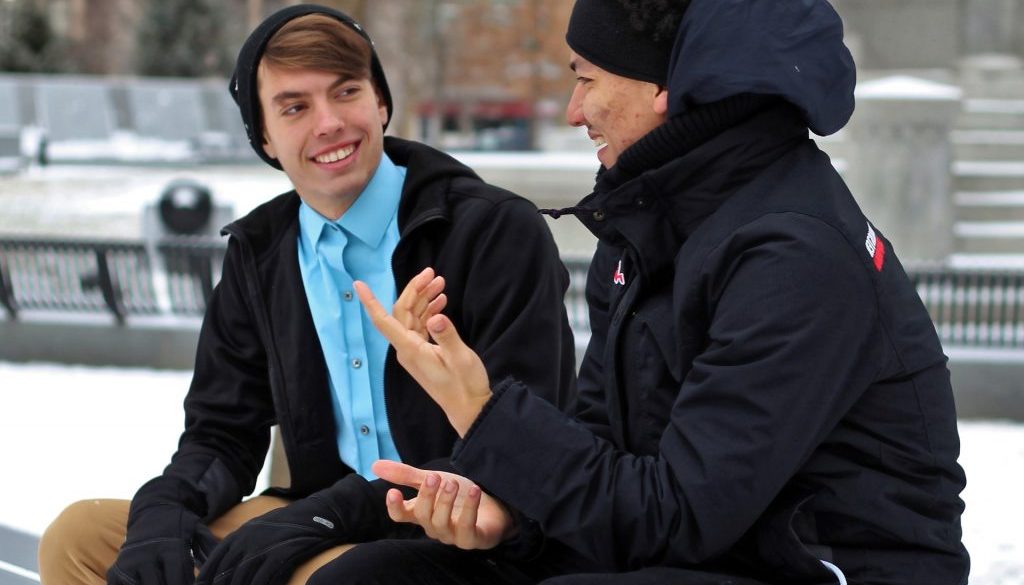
(450, 508)
(450, 372)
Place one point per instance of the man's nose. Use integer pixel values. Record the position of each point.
(573, 110)
(328, 121)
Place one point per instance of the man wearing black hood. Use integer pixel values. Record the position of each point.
(764, 399)
(285, 342)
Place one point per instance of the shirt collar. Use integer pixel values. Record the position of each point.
(372, 211)
(370, 214)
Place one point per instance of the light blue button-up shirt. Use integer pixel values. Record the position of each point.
(331, 256)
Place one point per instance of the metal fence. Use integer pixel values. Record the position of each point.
(124, 279)
(974, 307)
(175, 277)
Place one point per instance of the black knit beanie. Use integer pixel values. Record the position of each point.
(243, 86)
(600, 31)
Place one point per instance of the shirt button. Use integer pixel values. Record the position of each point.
(347, 295)
(364, 430)
(357, 363)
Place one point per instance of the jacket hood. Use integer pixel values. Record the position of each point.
(788, 48)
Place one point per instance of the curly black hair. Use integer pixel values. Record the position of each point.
(658, 17)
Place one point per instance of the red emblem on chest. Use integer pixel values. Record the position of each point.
(619, 278)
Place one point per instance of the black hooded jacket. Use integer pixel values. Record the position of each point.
(259, 361)
(763, 389)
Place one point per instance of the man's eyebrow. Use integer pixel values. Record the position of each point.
(288, 95)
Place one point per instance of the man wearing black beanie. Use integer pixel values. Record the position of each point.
(764, 399)
(284, 342)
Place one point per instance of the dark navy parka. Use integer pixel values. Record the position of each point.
(763, 388)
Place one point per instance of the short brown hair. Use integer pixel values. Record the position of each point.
(321, 43)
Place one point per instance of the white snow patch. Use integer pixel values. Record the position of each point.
(905, 87)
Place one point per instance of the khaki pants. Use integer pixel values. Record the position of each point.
(82, 543)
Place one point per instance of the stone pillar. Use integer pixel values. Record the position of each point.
(903, 34)
(900, 162)
(990, 26)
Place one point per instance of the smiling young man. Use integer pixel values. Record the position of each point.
(284, 341)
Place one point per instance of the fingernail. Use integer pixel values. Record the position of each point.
(436, 325)
(432, 481)
(449, 486)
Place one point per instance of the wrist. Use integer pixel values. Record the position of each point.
(469, 412)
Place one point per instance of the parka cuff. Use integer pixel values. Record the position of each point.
(496, 392)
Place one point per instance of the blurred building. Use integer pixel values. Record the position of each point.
(484, 74)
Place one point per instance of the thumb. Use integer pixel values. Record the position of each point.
(443, 332)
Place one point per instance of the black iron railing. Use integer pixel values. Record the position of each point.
(974, 307)
(123, 278)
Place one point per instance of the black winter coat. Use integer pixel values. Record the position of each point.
(259, 360)
(763, 387)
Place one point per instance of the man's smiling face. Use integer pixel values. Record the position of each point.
(617, 111)
(326, 131)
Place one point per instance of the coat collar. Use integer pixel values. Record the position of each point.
(681, 173)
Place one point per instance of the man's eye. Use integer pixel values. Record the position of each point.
(292, 110)
(348, 91)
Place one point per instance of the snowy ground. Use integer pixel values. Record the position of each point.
(69, 433)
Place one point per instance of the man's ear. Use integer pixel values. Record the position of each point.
(382, 108)
(268, 147)
(661, 101)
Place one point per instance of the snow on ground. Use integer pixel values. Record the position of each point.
(72, 432)
(69, 433)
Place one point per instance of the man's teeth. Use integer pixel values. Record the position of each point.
(598, 142)
(336, 155)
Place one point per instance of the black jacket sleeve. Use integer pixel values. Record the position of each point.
(514, 302)
(228, 408)
(791, 342)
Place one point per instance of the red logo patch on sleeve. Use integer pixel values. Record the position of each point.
(875, 247)
(879, 256)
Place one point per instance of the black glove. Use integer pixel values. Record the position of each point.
(267, 549)
(165, 540)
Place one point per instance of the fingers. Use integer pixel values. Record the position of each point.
(392, 330)
(465, 524)
(424, 509)
(412, 307)
(436, 306)
(441, 519)
(446, 509)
